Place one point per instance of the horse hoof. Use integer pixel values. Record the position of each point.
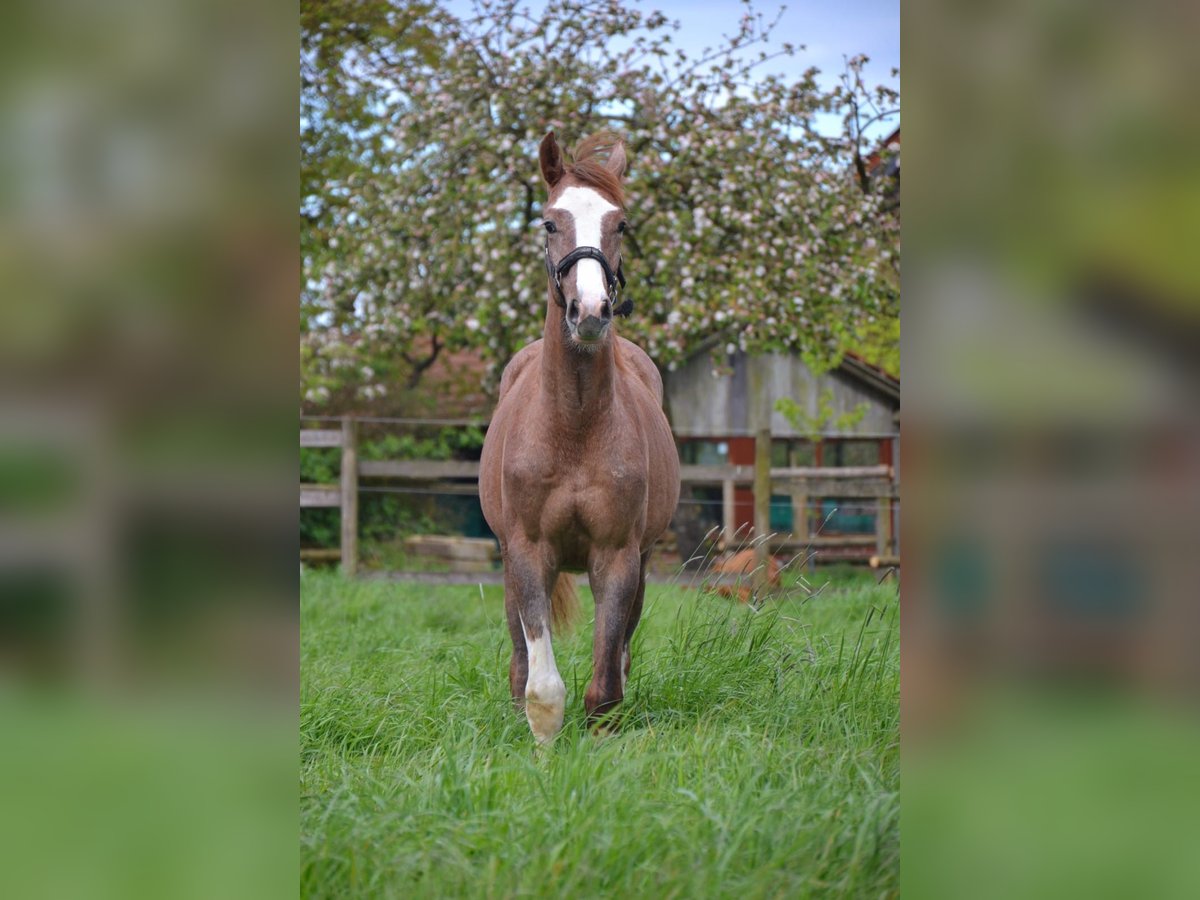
(545, 721)
(605, 723)
(544, 708)
(606, 729)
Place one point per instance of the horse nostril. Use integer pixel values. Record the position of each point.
(573, 311)
(606, 310)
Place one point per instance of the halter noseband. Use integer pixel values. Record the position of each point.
(556, 274)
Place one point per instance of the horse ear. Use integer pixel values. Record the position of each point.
(616, 159)
(551, 159)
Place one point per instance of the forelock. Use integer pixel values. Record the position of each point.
(588, 166)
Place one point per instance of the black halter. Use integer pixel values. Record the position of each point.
(556, 274)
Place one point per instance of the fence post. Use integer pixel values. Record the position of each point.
(799, 492)
(349, 497)
(728, 511)
(883, 526)
(762, 504)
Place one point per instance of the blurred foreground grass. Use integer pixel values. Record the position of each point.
(1077, 792)
(159, 798)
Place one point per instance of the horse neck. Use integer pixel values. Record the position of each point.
(579, 384)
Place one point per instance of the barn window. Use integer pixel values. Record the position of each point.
(791, 452)
(850, 453)
(704, 453)
(853, 515)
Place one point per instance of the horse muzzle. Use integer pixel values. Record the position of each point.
(592, 329)
(589, 321)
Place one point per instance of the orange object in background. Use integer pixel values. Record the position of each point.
(742, 565)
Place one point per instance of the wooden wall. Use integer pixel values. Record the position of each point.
(730, 405)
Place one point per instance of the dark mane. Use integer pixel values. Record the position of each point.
(588, 166)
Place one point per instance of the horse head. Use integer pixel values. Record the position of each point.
(584, 218)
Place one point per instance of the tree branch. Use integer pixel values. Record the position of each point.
(419, 368)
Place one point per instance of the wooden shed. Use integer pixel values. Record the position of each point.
(849, 416)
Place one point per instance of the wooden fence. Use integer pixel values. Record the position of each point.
(801, 484)
(344, 495)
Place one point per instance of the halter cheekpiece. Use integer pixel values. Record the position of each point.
(612, 278)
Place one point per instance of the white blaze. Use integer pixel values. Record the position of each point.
(545, 693)
(587, 208)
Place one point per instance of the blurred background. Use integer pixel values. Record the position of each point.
(148, 623)
(1050, 333)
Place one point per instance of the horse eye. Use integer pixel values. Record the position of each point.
(621, 228)
(550, 227)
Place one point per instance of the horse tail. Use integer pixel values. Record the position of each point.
(564, 604)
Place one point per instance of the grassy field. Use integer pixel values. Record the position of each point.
(759, 755)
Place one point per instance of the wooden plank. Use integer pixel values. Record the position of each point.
(452, 547)
(319, 495)
(847, 472)
(419, 469)
(424, 488)
(884, 562)
(716, 474)
(745, 474)
(349, 497)
(460, 566)
(320, 437)
(321, 554)
(847, 489)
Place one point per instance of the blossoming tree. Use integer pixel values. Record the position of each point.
(420, 195)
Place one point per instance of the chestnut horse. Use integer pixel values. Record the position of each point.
(579, 469)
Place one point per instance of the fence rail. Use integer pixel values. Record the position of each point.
(872, 483)
(318, 437)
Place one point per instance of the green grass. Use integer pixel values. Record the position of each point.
(758, 755)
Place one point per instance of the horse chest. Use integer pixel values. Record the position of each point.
(602, 501)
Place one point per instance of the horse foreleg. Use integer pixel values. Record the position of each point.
(518, 664)
(533, 675)
(635, 615)
(615, 585)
